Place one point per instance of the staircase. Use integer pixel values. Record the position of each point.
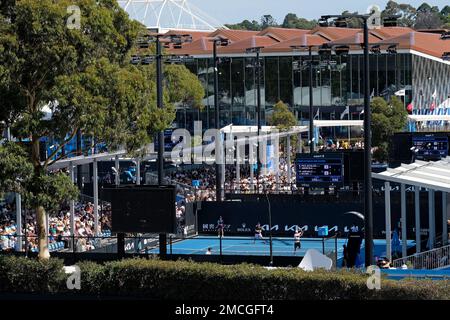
(430, 260)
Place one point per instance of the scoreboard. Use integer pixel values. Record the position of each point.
(319, 170)
(430, 146)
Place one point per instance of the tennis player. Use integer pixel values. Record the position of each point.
(258, 233)
(297, 235)
(220, 227)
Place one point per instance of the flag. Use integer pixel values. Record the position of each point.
(434, 95)
(362, 112)
(410, 108)
(346, 111)
(316, 117)
(400, 93)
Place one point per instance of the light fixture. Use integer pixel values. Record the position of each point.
(392, 49)
(341, 50)
(375, 49)
(323, 22)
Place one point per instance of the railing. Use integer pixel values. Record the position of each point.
(432, 259)
(220, 246)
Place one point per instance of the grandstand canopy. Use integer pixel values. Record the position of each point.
(428, 117)
(431, 175)
(165, 15)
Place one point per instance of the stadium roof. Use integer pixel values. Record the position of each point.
(278, 40)
(432, 175)
(165, 15)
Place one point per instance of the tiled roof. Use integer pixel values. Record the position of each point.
(195, 34)
(281, 40)
(253, 41)
(282, 33)
(233, 35)
(304, 40)
(390, 32)
(427, 43)
(334, 33)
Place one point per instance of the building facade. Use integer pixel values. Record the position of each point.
(414, 64)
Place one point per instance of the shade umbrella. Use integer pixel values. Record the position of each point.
(356, 214)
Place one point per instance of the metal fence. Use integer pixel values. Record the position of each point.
(433, 259)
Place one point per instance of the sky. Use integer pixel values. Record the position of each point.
(233, 11)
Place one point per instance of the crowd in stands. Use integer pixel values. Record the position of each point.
(59, 227)
(206, 177)
(330, 145)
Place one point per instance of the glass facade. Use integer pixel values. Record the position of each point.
(337, 83)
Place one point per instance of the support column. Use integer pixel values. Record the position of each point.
(387, 203)
(444, 219)
(403, 212)
(117, 166)
(431, 220)
(238, 167)
(95, 185)
(417, 216)
(275, 160)
(250, 163)
(72, 210)
(288, 146)
(138, 172)
(19, 232)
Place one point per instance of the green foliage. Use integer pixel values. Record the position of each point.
(268, 21)
(407, 12)
(15, 169)
(22, 275)
(282, 117)
(156, 279)
(246, 25)
(386, 120)
(50, 190)
(183, 86)
(84, 77)
(292, 21)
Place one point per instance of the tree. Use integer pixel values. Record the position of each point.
(15, 169)
(353, 22)
(84, 77)
(268, 21)
(246, 25)
(283, 119)
(292, 21)
(428, 20)
(407, 12)
(387, 118)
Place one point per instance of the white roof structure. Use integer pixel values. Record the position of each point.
(432, 175)
(166, 15)
(338, 123)
(428, 117)
(107, 156)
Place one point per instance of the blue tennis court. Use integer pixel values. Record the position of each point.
(247, 246)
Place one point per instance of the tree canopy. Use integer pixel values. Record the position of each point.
(424, 16)
(83, 76)
(387, 118)
(282, 117)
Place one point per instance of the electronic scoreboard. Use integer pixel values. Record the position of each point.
(320, 170)
(430, 146)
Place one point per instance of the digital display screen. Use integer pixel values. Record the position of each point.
(320, 170)
(430, 146)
